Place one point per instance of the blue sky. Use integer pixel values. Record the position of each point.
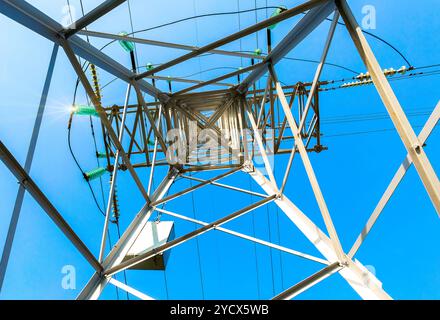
(353, 173)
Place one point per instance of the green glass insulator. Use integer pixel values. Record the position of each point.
(277, 12)
(150, 66)
(125, 44)
(257, 52)
(95, 174)
(84, 110)
(101, 155)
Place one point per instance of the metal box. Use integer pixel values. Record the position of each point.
(152, 236)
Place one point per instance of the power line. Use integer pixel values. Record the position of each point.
(397, 78)
(355, 133)
(429, 66)
(305, 60)
(380, 39)
(205, 16)
(390, 45)
(82, 171)
(254, 10)
(369, 117)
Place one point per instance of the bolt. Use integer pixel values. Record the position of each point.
(417, 148)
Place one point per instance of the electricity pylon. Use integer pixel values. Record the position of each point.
(249, 127)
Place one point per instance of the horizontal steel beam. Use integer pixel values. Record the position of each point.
(168, 44)
(26, 182)
(184, 80)
(301, 30)
(292, 292)
(238, 35)
(173, 243)
(226, 186)
(246, 237)
(198, 186)
(215, 80)
(130, 290)
(92, 16)
(32, 18)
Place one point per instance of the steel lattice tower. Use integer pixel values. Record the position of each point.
(247, 114)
